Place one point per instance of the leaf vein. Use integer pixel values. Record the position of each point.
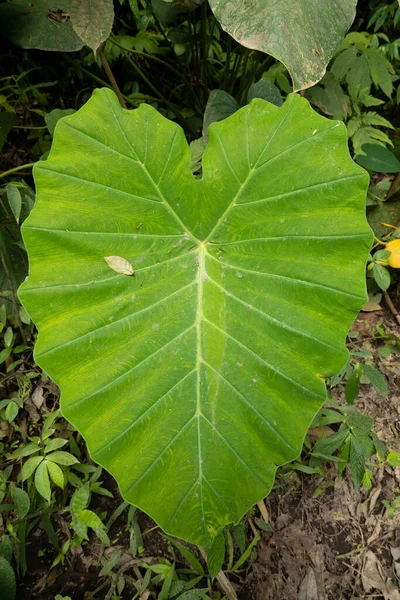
(297, 237)
(231, 448)
(143, 415)
(155, 461)
(250, 405)
(98, 184)
(121, 377)
(172, 517)
(279, 323)
(294, 192)
(293, 279)
(272, 368)
(132, 234)
(118, 321)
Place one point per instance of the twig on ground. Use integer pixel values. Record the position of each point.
(252, 526)
(395, 186)
(263, 510)
(392, 307)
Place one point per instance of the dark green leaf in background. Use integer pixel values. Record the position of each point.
(381, 276)
(330, 97)
(167, 11)
(266, 91)
(8, 585)
(376, 378)
(353, 384)
(216, 555)
(7, 120)
(16, 200)
(357, 461)
(378, 158)
(220, 105)
(21, 500)
(55, 115)
(6, 548)
(39, 24)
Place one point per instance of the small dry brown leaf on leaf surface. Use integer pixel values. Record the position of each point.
(119, 265)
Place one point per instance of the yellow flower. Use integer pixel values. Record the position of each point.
(394, 249)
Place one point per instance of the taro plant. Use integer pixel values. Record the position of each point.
(190, 322)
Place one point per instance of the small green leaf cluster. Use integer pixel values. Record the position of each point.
(39, 465)
(384, 14)
(346, 436)
(359, 70)
(10, 407)
(378, 268)
(222, 550)
(391, 342)
(354, 441)
(393, 505)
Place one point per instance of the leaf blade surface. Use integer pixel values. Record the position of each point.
(194, 378)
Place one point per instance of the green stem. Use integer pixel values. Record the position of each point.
(174, 92)
(5, 298)
(193, 45)
(110, 75)
(93, 76)
(107, 85)
(161, 28)
(161, 62)
(227, 61)
(29, 127)
(235, 70)
(15, 169)
(395, 185)
(153, 88)
(262, 67)
(243, 77)
(204, 7)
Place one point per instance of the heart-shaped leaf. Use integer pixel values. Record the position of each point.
(303, 34)
(193, 378)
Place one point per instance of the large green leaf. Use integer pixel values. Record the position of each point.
(193, 378)
(303, 34)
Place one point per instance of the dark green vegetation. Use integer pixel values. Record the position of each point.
(177, 58)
